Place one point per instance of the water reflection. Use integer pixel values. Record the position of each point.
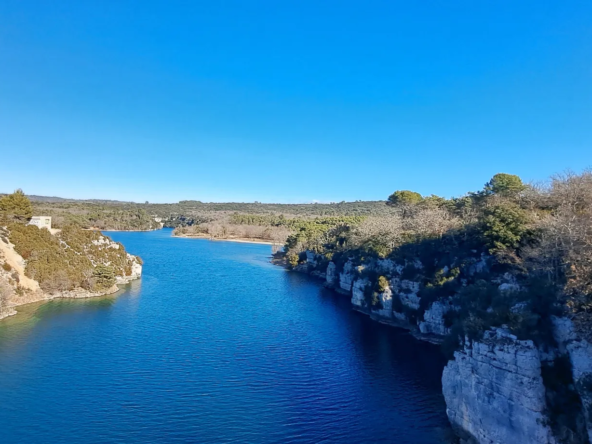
(213, 345)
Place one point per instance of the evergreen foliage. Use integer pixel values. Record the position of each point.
(16, 207)
(70, 259)
(504, 184)
(404, 197)
(504, 226)
(104, 277)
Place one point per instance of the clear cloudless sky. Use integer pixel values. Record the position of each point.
(292, 100)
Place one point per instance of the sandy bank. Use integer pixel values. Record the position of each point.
(229, 239)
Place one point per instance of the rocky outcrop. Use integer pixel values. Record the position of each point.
(358, 299)
(311, 258)
(331, 275)
(498, 390)
(135, 271)
(579, 352)
(433, 319)
(386, 302)
(16, 288)
(494, 391)
(347, 277)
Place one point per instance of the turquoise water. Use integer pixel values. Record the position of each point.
(214, 345)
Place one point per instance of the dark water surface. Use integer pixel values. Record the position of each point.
(213, 345)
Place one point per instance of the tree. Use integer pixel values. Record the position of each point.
(434, 201)
(404, 197)
(504, 226)
(104, 277)
(16, 207)
(504, 184)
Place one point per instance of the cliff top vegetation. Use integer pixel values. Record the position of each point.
(537, 239)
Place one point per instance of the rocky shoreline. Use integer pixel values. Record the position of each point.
(77, 293)
(499, 389)
(18, 289)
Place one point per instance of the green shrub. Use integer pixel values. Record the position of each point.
(382, 284)
(6, 266)
(293, 260)
(104, 277)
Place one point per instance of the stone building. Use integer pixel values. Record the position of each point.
(41, 222)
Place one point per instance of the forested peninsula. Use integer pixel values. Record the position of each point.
(37, 264)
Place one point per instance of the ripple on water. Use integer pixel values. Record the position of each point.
(214, 345)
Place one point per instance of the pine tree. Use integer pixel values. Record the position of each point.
(16, 207)
(504, 184)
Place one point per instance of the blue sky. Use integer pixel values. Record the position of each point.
(290, 101)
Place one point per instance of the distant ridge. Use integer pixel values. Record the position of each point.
(55, 199)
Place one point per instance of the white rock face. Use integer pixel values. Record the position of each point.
(433, 319)
(580, 355)
(388, 266)
(311, 258)
(494, 391)
(386, 297)
(347, 277)
(358, 298)
(408, 293)
(136, 271)
(331, 274)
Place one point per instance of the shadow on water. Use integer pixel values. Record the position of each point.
(381, 342)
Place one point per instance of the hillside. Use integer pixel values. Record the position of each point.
(38, 265)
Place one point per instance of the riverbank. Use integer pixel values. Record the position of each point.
(124, 231)
(399, 323)
(39, 296)
(107, 266)
(229, 239)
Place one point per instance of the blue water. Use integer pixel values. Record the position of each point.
(213, 345)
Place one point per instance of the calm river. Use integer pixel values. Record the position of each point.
(214, 345)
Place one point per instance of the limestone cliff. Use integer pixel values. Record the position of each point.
(579, 351)
(494, 391)
(498, 389)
